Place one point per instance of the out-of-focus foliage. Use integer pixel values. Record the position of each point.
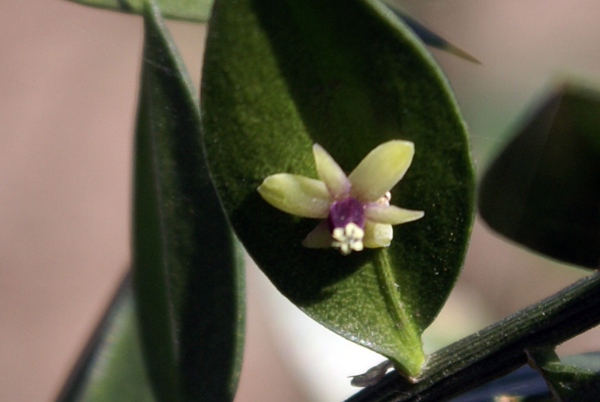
(543, 191)
(574, 378)
(111, 367)
(188, 272)
(190, 10)
(199, 11)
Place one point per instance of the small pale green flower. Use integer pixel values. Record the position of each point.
(355, 209)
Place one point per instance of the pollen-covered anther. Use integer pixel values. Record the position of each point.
(348, 238)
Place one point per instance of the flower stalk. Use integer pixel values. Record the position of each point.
(497, 349)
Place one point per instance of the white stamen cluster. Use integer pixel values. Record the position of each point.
(348, 238)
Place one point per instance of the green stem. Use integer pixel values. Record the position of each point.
(497, 349)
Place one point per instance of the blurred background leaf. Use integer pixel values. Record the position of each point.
(281, 76)
(111, 367)
(524, 384)
(188, 275)
(574, 378)
(427, 35)
(543, 190)
(189, 10)
(199, 11)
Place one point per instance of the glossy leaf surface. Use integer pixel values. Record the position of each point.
(543, 191)
(282, 75)
(188, 273)
(111, 367)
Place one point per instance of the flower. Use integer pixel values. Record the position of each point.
(355, 209)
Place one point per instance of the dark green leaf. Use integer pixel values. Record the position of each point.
(543, 191)
(111, 367)
(189, 10)
(188, 273)
(573, 378)
(282, 75)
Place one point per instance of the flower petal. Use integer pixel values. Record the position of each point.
(391, 214)
(296, 195)
(381, 169)
(319, 237)
(377, 235)
(330, 173)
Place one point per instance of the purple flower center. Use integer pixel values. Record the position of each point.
(345, 211)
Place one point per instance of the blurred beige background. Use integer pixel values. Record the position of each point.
(68, 77)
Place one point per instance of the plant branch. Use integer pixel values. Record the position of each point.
(497, 349)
